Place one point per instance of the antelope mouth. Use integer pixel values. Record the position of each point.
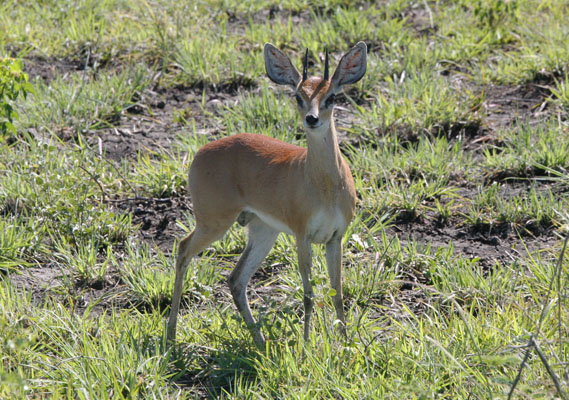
(313, 126)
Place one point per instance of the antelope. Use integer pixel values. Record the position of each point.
(271, 186)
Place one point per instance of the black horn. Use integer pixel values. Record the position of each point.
(326, 67)
(305, 66)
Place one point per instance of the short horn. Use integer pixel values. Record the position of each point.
(326, 67)
(305, 66)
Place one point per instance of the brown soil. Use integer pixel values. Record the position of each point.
(157, 218)
(497, 246)
(506, 105)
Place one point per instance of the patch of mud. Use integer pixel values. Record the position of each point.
(156, 218)
(420, 17)
(48, 69)
(52, 281)
(37, 281)
(507, 105)
(501, 245)
(277, 14)
(160, 116)
(503, 106)
(136, 135)
(167, 114)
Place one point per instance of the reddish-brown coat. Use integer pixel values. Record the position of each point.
(255, 171)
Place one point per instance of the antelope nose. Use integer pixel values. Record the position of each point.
(311, 119)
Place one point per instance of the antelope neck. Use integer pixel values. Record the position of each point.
(323, 159)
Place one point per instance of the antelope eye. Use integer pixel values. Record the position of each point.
(299, 100)
(329, 101)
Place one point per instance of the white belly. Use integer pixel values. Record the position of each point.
(321, 226)
(271, 221)
(324, 224)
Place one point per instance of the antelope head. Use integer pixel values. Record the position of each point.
(315, 95)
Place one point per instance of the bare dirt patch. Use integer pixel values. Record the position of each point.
(156, 219)
(155, 126)
(507, 105)
(501, 245)
(48, 69)
(51, 281)
(498, 243)
(37, 280)
(165, 115)
(420, 17)
(160, 114)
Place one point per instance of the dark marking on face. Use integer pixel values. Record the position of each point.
(314, 87)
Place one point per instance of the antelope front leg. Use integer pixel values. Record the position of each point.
(334, 264)
(305, 266)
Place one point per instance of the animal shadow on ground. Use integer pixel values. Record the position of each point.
(208, 372)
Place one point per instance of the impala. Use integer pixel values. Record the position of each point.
(271, 186)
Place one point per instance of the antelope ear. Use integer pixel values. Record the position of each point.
(279, 68)
(352, 66)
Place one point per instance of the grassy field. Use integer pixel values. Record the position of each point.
(456, 284)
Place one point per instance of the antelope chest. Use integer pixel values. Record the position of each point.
(325, 223)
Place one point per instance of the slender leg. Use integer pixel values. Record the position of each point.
(190, 246)
(305, 266)
(260, 240)
(334, 264)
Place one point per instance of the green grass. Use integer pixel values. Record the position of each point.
(401, 179)
(529, 151)
(55, 196)
(418, 102)
(265, 112)
(533, 210)
(425, 320)
(83, 102)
